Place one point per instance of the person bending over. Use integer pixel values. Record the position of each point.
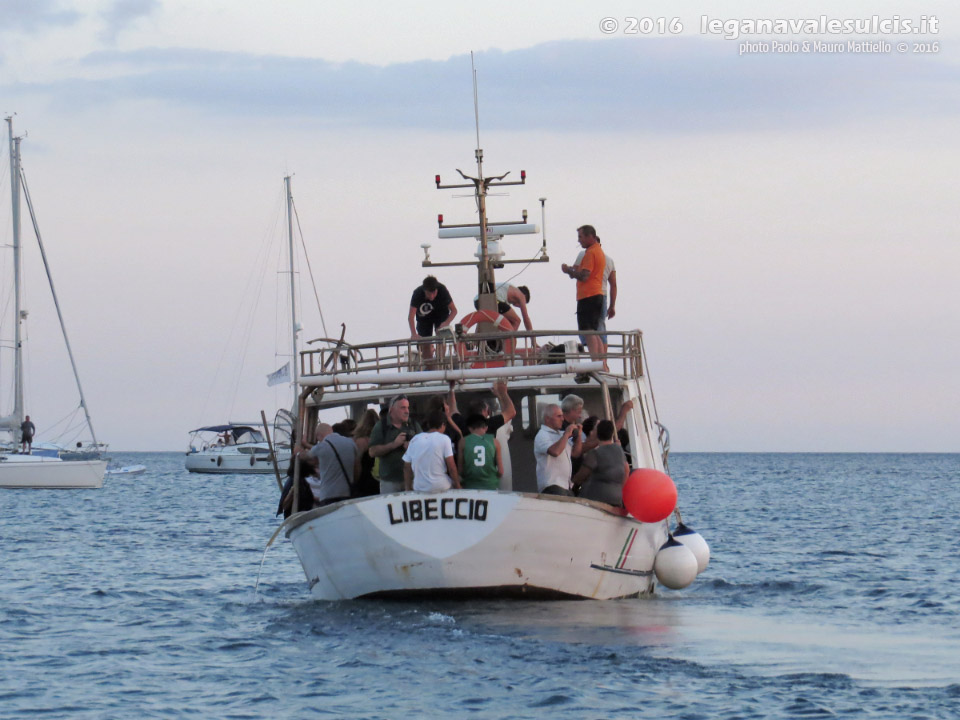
(431, 308)
(509, 297)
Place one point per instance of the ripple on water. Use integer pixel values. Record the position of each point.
(138, 600)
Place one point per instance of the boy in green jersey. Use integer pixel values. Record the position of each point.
(481, 464)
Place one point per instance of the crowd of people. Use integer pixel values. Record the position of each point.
(587, 458)
(432, 307)
(391, 452)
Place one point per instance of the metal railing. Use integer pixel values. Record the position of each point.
(450, 351)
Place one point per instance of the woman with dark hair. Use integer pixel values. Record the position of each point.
(589, 430)
(604, 469)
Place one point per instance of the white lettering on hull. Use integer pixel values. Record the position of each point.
(438, 525)
(437, 509)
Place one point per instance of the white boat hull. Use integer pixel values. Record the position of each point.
(28, 471)
(474, 543)
(231, 461)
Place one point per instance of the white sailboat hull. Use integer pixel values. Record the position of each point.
(475, 543)
(234, 460)
(29, 471)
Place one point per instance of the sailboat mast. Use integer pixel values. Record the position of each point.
(487, 287)
(17, 418)
(294, 327)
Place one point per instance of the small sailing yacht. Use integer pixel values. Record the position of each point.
(47, 470)
(241, 447)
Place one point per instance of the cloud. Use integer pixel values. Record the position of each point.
(677, 85)
(122, 13)
(34, 15)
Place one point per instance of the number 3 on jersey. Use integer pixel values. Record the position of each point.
(480, 455)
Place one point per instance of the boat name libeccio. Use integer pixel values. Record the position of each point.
(434, 509)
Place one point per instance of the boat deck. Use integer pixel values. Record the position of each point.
(541, 366)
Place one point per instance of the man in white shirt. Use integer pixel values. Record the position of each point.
(553, 449)
(428, 463)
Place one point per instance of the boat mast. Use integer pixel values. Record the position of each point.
(484, 231)
(14, 421)
(294, 328)
(486, 281)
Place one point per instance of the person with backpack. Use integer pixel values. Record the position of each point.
(336, 473)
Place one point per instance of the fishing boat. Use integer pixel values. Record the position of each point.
(511, 542)
(47, 469)
(242, 448)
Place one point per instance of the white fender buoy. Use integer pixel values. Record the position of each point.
(698, 546)
(675, 565)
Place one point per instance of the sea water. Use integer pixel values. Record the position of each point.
(833, 591)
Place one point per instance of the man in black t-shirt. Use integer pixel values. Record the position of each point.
(431, 308)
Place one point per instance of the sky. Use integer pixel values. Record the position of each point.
(784, 220)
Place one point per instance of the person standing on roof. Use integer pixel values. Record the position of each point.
(27, 430)
(609, 295)
(431, 308)
(589, 277)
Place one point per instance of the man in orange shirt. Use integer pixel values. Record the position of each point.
(589, 277)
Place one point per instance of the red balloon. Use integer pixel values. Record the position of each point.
(649, 495)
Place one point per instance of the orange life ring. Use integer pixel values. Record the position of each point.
(480, 316)
(501, 322)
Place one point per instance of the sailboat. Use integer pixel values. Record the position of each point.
(241, 447)
(19, 470)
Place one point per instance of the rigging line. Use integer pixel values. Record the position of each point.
(246, 339)
(73, 431)
(278, 292)
(281, 306)
(248, 331)
(306, 257)
(521, 270)
(236, 315)
(68, 418)
(56, 303)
